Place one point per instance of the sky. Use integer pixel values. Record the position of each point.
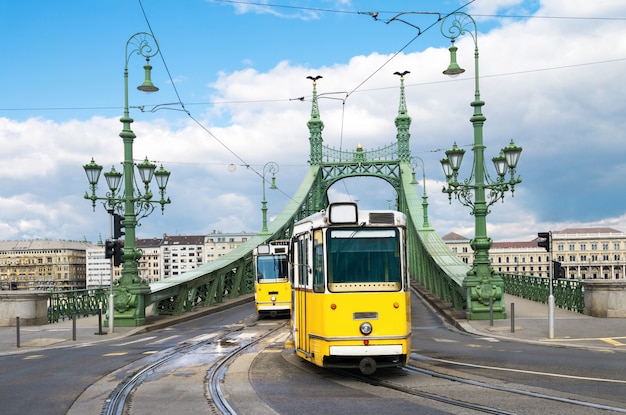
(231, 75)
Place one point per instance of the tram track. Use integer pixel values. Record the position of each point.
(480, 402)
(213, 355)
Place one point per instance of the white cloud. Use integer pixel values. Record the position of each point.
(550, 84)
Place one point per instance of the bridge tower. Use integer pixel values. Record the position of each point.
(431, 263)
(336, 164)
(393, 163)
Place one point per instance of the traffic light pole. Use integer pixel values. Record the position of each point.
(551, 296)
(111, 297)
(545, 242)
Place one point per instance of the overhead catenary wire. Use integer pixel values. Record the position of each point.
(182, 105)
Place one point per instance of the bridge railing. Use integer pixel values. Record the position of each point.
(83, 303)
(431, 262)
(568, 294)
(230, 275)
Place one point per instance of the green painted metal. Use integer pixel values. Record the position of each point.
(133, 202)
(568, 294)
(485, 292)
(431, 262)
(82, 303)
(230, 275)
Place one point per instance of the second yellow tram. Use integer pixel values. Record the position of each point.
(272, 288)
(351, 288)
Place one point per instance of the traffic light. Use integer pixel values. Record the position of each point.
(546, 242)
(557, 270)
(118, 251)
(109, 248)
(118, 224)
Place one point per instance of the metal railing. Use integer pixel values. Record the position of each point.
(568, 293)
(82, 303)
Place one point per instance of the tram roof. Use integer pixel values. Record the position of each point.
(364, 217)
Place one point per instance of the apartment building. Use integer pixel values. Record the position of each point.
(181, 253)
(584, 253)
(64, 265)
(218, 243)
(43, 264)
(150, 264)
(98, 267)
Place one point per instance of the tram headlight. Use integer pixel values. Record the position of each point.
(366, 328)
(273, 298)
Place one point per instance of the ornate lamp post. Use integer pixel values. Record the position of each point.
(483, 285)
(132, 202)
(270, 167)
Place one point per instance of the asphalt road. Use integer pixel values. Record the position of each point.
(47, 382)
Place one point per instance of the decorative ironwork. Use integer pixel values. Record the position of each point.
(83, 303)
(568, 294)
(333, 155)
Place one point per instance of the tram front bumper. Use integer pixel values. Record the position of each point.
(370, 350)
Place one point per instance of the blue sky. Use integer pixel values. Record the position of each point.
(550, 77)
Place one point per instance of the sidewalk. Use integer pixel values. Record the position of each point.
(571, 329)
(86, 331)
(531, 325)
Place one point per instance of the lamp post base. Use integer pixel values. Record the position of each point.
(485, 298)
(130, 308)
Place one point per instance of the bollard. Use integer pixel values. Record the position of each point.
(74, 327)
(100, 332)
(17, 327)
(512, 317)
(491, 311)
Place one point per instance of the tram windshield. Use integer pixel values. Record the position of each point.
(272, 268)
(365, 259)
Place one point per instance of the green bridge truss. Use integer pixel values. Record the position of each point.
(432, 265)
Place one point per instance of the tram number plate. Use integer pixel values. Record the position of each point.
(370, 315)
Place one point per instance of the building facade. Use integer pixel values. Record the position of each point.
(98, 267)
(149, 265)
(173, 255)
(218, 243)
(584, 253)
(68, 265)
(43, 265)
(181, 254)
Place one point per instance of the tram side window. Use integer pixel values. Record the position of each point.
(318, 262)
(303, 262)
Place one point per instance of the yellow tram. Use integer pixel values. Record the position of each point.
(272, 288)
(351, 288)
